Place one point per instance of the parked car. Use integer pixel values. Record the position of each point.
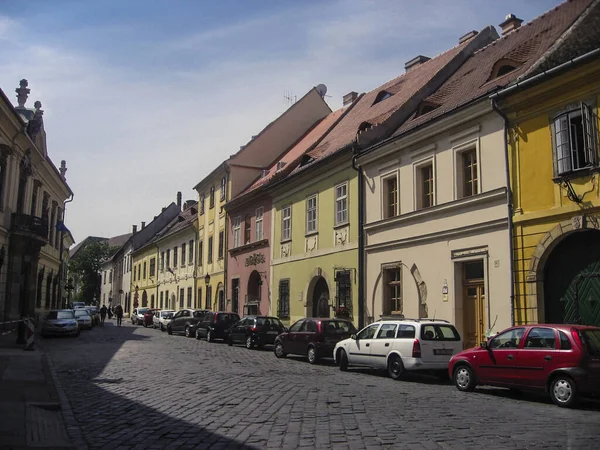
(137, 316)
(77, 305)
(60, 322)
(214, 325)
(94, 313)
(313, 337)
(562, 360)
(184, 322)
(149, 317)
(84, 318)
(162, 318)
(401, 345)
(255, 331)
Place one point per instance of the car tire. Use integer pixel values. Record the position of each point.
(395, 367)
(209, 337)
(187, 331)
(464, 378)
(169, 330)
(249, 344)
(197, 334)
(563, 391)
(145, 326)
(343, 358)
(229, 341)
(278, 350)
(312, 356)
(161, 327)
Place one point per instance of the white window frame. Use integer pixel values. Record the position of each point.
(258, 224)
(384, 194)
(459, 150)
(237, 228)
(223, 188)
(311, 214)
(286, 223)
(341, 204)
(418, 182)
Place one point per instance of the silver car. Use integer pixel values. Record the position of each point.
(161, 319)
(84, 318)
(60, 322)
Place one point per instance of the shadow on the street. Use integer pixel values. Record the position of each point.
(585, 404)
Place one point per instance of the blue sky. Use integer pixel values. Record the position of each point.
(143, 98)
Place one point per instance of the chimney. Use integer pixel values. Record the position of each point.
(466, 37)
(179, 200)
(510, 23)
(350, 97)
(415, 62)
(143, 225)
(134, 229)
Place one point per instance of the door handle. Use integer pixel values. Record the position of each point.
(366, 345)
(511, 357)
(387, 344)
(548, 358)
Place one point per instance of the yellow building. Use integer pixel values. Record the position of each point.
(554, 161)
(144, 279)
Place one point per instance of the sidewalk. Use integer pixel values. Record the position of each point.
(31, 415)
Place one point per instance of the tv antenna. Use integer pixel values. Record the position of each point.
(289, 98)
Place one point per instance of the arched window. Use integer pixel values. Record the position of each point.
(382, 96)
(503, 67)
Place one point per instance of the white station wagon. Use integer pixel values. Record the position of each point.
(401, 345)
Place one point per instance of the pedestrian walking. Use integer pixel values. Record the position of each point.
(103, 314)
(119, 314)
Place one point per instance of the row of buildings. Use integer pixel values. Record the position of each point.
(34, 241)
(466, 189)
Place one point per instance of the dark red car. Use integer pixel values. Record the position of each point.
(315, 338)
(563, 360)
(148, 316)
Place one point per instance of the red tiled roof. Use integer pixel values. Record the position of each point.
(525, 45)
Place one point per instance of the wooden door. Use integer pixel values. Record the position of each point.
(473, 314)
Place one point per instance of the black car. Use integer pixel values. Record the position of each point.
(214, 325)
(184, 321)
(313, 337)
(255, 331)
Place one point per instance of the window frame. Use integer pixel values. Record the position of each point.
(211, 204)
(460, 151)
(237, 229)
(183, 254)
(312, 210)
(200, 252)
(283, 301)
(191, 252)
(202, 200)
(286, 218)
(258, 224)
(221, 248)
(420, 182)
(209, 257)
(339, 200)
(175, 256)
(152, 267)
(391, 300)
(223, 188)
(385, 195)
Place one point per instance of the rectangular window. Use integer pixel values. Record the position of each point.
(343, 283)
(575, 146)
(168, 259)
(162, 261)
(104, 277)
(152, 267)
(200, 253)
(167, 299)
(199, 298)
(144, 272)
(134, 274)
(181, 297)
(390, 197)
(223, 188)
(311, 214)
(258, 225)
(209, 258)
(110, 276)
(189, 297)
(283, 306)
(221, 250)
(183, 249)
(191, 255)
(212, 197)
(208, 297)
(247, 230)
(139, 271)
(235, 295)
(341, 204)
(425, 186)
(237, 226)
(162, 297)
(175, 256)
(393, 290)
(202, 201)
(470, 181)
(286, 223)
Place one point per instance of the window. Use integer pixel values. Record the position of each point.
(406, 332)
(565, 344)
(540, 338)
(393, 290)
(367, 333)
(144, 272)
(167, 299)
(209, 259)
(200, 253)
(341, 204)
(235, 294)
(425, 186)
(574, 140)
(439, 333)
(343, 292)
(467, 179)
(212, 197)
(175, 256)
(247, 230)
(162, 296)
(221, 250)
(258, 225)
(104, 277)
(199, 298)
(390, 197)
(140, 272)
(381, 96)
(208, 297)
(168, 259)
(191, 255)
(283, 306)
(223, 188)
(134, 274)
(237, 224)
(296, 326)
(162, 261)
(286, 223)
(181, 297)
(508, 339)
(183, 254)
(387, 331)
(152, 267)
(189, 297)
(202, 199)
(311, 214)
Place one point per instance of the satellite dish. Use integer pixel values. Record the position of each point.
(321, 89)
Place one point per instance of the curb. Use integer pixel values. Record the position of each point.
(73, 429)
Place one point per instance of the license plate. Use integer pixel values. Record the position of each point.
(442, 351)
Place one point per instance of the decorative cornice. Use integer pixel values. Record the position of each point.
(242, 248)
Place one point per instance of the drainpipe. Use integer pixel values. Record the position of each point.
(61, 249)
(361, 241)
(510, 211)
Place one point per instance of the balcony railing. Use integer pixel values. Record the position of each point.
(30, 224)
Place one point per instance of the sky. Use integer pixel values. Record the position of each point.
(144, 98)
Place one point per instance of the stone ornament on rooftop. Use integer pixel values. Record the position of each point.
(22, 93)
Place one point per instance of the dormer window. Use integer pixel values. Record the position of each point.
(426, 107)
(382, 96)
(306, 159)
(503, 67)
(364, 126)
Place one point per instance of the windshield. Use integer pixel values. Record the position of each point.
(268, 321)
(81, 312)
(591, 339)
(142, 310)
(167, 315)
(53, 315)
(335, 327)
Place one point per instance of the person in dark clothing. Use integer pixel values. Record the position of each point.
(103, 314)
(119, 314)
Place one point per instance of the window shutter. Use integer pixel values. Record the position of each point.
(588, 134)
(563, 146)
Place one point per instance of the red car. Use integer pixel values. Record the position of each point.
(563, 360)
(148, 317)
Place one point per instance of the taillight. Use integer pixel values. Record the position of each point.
(253, 329)
(416, 349)
(215, 318)
(576, 337)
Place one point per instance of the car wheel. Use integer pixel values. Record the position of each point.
(343, 358)
(187, 331)
(169, 330)
(229, 341)
(209, 337)
(197, 334)
(278, 350)
(161, 327)
(563, 391)
(395, 367)
(464, 378)
(249, 344)
(145, 326)
(312, 355)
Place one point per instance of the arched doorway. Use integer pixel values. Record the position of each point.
(573, 257)
(144, 299)
(253, 298)
(320, 299)
(220, 297)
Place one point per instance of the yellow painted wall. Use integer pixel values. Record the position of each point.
(145, 283)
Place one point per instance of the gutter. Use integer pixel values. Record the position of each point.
(361, 240)
(510, 211)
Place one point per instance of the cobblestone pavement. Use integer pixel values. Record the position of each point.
(132, 387)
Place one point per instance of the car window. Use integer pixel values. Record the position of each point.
(565, 344)
(309, 326)
(335, 327)
(198, 313)
(177, 314)
(507, 339)
(53, 315)
(438, 332)
(368, 333)
(406, 332)
(224, 318)
(387, 331)
(591, 340)
(81, 312)
(540, 338)
(296, 326)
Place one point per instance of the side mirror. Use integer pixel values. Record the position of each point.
(353, 336)
(484, 345)
(285, 330)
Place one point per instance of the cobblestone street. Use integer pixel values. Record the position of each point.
(135, 387)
